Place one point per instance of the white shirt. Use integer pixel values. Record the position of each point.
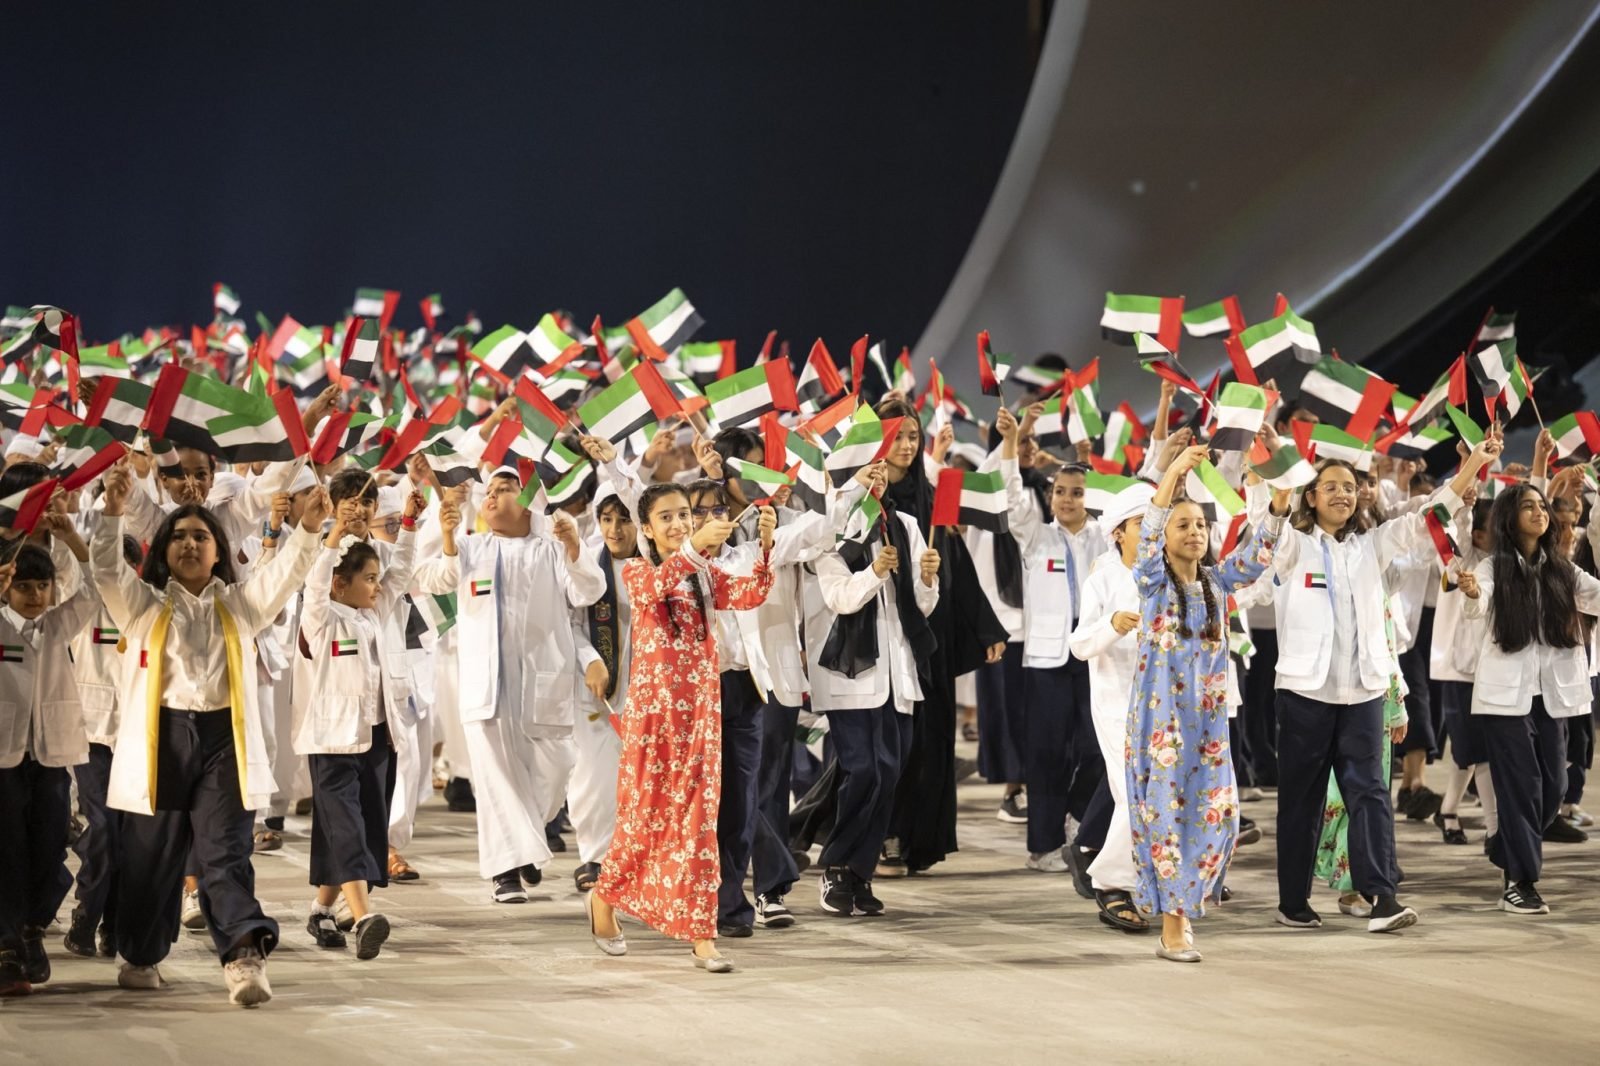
(1342, 684)
(194, 664)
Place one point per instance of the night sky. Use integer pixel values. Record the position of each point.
(818, 170)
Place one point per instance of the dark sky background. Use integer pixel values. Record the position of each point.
(816, 168)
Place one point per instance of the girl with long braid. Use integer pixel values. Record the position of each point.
(1181, 791)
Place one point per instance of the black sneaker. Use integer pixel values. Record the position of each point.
(35, 962)
(734, 930)
(1562, 831)
(324, 930)
(1522, 898)
(275, 823)
(458, 795)
(866, 902)
(80, 934)
(1389, 916)
(1303, 918)
(1422, 804)
(531, 875)
(371, 932)
(13, 977)
(838, 891)
(1012, 811)
(508, 888)
(772, 914)
(1078, 862)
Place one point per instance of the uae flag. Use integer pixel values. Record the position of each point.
(1206, 486)
(22, 510)
(905, 378)
(101, 360)
(831, 424)
(1224, 316)
(808, 467)
(1159, 360)
(446, 461)
(307, 373)
(1465, 427)
(1343, 394)
(756, 482)
(708, 360)
(432, 307)
(350, 431)
(413, 435)
(1260, 351)
(360, 353)
(1441, 530)
(571, 486)
(867, 441)
(194, 411)
(1577, 436)
(1082, 404)
(1405, 442)
(749, 394)
(506, 351)
(1238, 413)
(1159, 316)
(1050, 428)
(1451, 388)
(1122, 429)
(1496, 327)
(965, 499)
(1038, 378)
(118, 406)
(863, 518)
(993, 367)
(1284, 469)
(375, 303)
(223, 299)
(1502, 378)
(629, 404)
(668, 324)
(85, 453)
(819, 380)
(1331, 442)
(1099, 489)
(438, 613)
(551, 343)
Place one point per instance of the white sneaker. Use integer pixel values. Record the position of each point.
(143, 978)
(342, 917)
(1580, 817)
(1356, 907)
(246, 978)
(1251, 794)
(1051, 862)
(193, 917)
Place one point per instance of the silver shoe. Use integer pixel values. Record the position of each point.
(716, 965)
(611, 945)
(1186, 954)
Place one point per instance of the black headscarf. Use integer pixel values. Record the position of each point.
(852, 645)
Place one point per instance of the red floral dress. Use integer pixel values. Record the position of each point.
(663, 866)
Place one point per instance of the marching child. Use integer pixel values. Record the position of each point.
(41, 735)
(342, 709)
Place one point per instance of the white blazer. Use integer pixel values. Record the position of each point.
(1304, 610)
(535, 582)
(1506, 681)
(335, 695)
(40, 709)
(838, 591)
(1113, 657)
(135, 607)
(97, 665)
(1047, 607)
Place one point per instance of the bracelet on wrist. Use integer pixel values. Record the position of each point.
(408, 522)
(268, 533)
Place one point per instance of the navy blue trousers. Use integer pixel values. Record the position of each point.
(772, 864)
(1315, 738)
(1002, 718)
(35, 805)
(1064, 767)
(871, 748)
(1528, 764)
(350, 814)
(738, 811)
(197, 801)
(97, 845)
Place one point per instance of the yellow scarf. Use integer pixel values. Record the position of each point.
(155, 651)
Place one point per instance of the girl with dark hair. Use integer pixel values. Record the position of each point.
(190, 762)
(663, 866)
(345, 698)
(1453, 661)
(922, 828)
(1182, 796)
(1532, 675)
(1334, 667)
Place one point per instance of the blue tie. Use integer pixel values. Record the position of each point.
(1327, 577)
(1072, 574)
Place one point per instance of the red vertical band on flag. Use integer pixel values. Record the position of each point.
(390, 301)
(780, 382)
(1171, 331)
(1302, 438)
(766, 347)
(530, 393)
(293, 426)
(500, 441)
(163, 398)
(1280, 305)
(1374, 401)
(730, 359)
(426, 304)
(326, 447)
(663, 401)
(1230, 539)
(1240, 360)
(858, 364)
(891, 429)
(646, 344)
(280, 337)
(1230, 307)
(775, 442)
(1441, 539)
(828, 374)
(351, 330)
(987, 382)
(1458, 382)
(947, 497)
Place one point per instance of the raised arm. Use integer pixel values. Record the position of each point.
(126, 596)
(274, 582)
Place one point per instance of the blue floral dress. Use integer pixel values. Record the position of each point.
(1181, 793)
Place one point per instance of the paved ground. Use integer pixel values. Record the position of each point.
(979, 961)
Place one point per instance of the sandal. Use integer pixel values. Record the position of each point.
(1118, 911)
(399, 869)
(585, 876)
(267, 840)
